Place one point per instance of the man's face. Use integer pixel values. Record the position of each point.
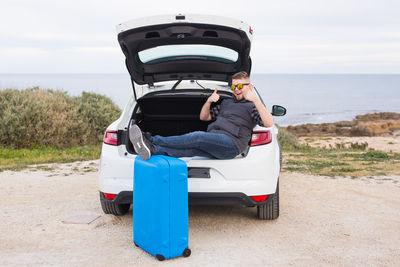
(239, 93)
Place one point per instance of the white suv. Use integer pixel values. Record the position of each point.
(175, 62)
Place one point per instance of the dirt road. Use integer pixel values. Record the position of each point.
(323, 221)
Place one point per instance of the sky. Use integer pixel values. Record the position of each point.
(303, 36)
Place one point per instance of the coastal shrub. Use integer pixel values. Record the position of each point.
(340, 146)
(37, 117)
(359, 146)
(97, 112)
(287, 139)
(353, 146)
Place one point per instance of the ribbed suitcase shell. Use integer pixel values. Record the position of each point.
(160, 206)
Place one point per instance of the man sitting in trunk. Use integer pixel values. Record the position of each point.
(225, 138)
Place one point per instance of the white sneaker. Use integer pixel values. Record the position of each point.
(136, 138)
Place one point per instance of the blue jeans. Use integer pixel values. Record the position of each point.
(198, 143)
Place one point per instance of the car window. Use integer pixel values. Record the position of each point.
(187, 51)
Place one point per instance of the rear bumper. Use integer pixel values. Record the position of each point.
(215, 198)
(256, 174)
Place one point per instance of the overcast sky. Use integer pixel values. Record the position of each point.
(303, 36)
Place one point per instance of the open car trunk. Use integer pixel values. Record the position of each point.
(185, 47)
(172, 112)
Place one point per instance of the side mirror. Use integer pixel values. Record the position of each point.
(278, 110)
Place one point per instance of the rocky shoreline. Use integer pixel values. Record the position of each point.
(374, 124)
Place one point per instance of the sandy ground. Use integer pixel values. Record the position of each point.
(381, 143)
(323, 221)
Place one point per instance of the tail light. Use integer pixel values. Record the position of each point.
(261, 138)
(111, 138)
(261, 198)
(109, 196)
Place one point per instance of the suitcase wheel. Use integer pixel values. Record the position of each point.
(186, 252)
(160, 257)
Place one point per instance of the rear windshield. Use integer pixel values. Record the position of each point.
(188, 51)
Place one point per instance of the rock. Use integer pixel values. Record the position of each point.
(376, 124)
(375, 128)
(378, 116)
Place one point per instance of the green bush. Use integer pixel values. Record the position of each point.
(287, 140)
(375, 155)
(36, 117)
(97, 112)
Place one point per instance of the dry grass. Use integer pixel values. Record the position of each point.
(342, 162)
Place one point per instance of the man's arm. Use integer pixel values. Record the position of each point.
(265, 115)
(205, 110)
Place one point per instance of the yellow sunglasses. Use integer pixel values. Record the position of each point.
(238, 86)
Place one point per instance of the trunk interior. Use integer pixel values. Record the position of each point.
(172, 112)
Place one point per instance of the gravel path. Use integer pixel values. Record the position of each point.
(323, 221)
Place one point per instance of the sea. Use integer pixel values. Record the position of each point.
(308, 98)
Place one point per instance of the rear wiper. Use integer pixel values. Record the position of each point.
(176, 84)
(201, 85)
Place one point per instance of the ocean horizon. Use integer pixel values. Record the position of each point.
(309, 98)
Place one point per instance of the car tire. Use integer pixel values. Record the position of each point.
(270, 210)
(111, 207)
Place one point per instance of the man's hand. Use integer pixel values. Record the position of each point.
(205, 110)
(214, 97)
(250, 95)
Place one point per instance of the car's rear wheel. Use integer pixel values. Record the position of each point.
(270, 211)
(111, 207)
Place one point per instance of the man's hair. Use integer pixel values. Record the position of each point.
(240, 75)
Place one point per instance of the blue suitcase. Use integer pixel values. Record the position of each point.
(160, 207)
